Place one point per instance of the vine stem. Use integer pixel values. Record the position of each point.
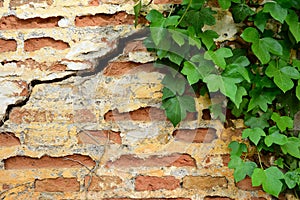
(187, 8)
(259, 159)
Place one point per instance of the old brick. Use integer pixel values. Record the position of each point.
(175, 159)
(57, 185)
(94, 3)
(204, 182)
(246, 184)
(104, 19)
(25, 162)
(229, 133)
(141, 114)
(119, 68)
(98, 137)
(34, 44)
(1, 3)
(226, 159)
(19, 115)
(17, 3)
(143, 183)
(84, 115)
(217, 198)
(12, 22)
(8, 139)
(200, 135)
(100, 183)
(134, 46)
(32, 64)
(147, 198)
(7, 45)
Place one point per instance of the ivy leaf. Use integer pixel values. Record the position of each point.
(225, 4)
(276, 11)
(254, 134)
(176, 108)
(178, 37)
(250, 35)
(241, 168)
(260, 20)
(298, 90)
(195, 4)
(283, 122)
(292, 178)
(241, 11)
(237, 148)
(218, 57)
(261, 100)
(226, 85)
(207, 37)
(175, 84)
(282, 76)
(261, 122)
(217, 111)
(167, 93)
(292, 147)
(238, 66)
(275, 138)
(158, 21)
(294, 25)
(269, 179)
(272, 45)
(241, 91)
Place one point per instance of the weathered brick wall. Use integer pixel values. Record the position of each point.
(100, 136)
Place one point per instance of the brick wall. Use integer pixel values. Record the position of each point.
(70, 133)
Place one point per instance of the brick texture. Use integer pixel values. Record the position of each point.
(177, 160)
(23, 162)
(57, 185)
(96, 183)
(34, 44)
(143, 183)
(99, 137)
(201, 135)
(7, 45)
(8, 139)
(204, 182)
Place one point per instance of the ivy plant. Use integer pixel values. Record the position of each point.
(258, 73)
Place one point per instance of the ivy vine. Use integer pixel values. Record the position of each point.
(258, 73)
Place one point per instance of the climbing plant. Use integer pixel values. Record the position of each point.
(258, 73)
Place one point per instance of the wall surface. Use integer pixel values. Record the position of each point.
(71, 132)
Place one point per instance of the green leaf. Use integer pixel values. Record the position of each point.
(261, 122)
(269, 179)
(217, 111)
(241, 91)
(283, 122)
(241, 171)
(207, 37)
(238, 66)
(294, 25)
(276, 11)
(250, 35)
(260, 20)
(167, 93)
(261, 52)
(261, 100)
(171, 20)
(272, 45)
(292, 147)
(281, 79)
(176, 108)
(237, 148)
(254, 134)
(275, 138)
(241, 11)
(154, 16)
(226, 85)
(176, 85)
(218, 57)
(225, 4)
(178, 37)
(137, 9)
(292, 178)
(298, 90)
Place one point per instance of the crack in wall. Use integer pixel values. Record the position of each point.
(102, 62)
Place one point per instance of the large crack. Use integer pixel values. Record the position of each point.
(102, 62)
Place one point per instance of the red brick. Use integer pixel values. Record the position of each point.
(17, 3)
(134, 46)
(143, 183)
(102, 183)
(99, 137)
(147, 199)
(19, 115)
(104, 19)
(217, 198)
(9, 139)
(71, 161)
(119, 68)
(175, 159)
(34, 44)
(12, 22)
(84, 116)
(1, 3)
(7, 45)
(94, 2)
(141, 114)
(226, 159)
(200, 135)
(246, 184)
(204, 182)
(57, 185)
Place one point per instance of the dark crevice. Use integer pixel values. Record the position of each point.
(30, 87)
